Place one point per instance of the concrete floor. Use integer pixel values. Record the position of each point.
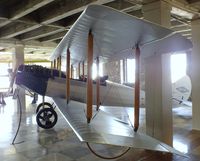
(61, 144)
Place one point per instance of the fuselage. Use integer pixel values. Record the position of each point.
(42, 81)
(111, 94)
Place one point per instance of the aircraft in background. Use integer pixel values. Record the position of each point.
(96, 35)
(181, 91)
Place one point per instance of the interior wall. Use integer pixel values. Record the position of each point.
(112, 69)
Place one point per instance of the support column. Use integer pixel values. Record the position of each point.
(68, 76)
(89, 77)
(158, 12)
(158, 90)
(195, 75)
(98, 86)
(18, 59)
(158, 98)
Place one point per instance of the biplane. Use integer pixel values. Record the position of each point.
(101, 34)
(181, 91)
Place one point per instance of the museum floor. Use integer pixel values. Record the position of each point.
(61, 144)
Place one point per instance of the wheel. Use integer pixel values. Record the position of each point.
(46, 105)
(46, 118)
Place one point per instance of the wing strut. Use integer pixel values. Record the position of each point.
(54, 63)
(72, 72)
(59, 66)
(57, 62)
(79, 69)
(67, 76)
(97, 86)
(89, 76)
(137, 88)
(83, 69)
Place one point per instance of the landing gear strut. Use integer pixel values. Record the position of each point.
(44, 105)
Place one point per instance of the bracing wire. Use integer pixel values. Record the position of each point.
(20, 119)
(106, 157)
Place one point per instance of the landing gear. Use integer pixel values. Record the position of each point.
(46, 118)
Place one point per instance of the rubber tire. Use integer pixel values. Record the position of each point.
(51, 124)
(40, 106)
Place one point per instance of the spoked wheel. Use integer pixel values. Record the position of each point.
(46, 118)
(43, 105)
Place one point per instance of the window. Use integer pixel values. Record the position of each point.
(127, 71)
(178, 66)
(4, 78)
(130, 70)
(94, 70)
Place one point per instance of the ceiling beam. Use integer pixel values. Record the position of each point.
(5, 23)
(119, 4)
(132, 8)
(20, 28)
(41, 50)
(187, 34)
(57, 36)
(40, 45)
(181, 21)
(181, 28)
(17, 29)
(2, 20)
(193, 1)
(178, 25)
(41, 32)
(184, 31)
(10, 43)
(137, 13)
(27, 7)
(67, 9)
(183, 6)
(24, 8)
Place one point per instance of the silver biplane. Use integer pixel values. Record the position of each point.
(101, 34)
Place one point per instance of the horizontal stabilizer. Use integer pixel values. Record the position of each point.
(105, 129)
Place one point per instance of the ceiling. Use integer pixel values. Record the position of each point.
(39, 25)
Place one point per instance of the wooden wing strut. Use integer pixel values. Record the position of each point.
(137, 88)
(67, 76)
(98, 86)
(89, 77)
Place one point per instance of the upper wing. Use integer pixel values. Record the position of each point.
(115, 35)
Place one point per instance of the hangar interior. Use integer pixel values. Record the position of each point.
(30, 31)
